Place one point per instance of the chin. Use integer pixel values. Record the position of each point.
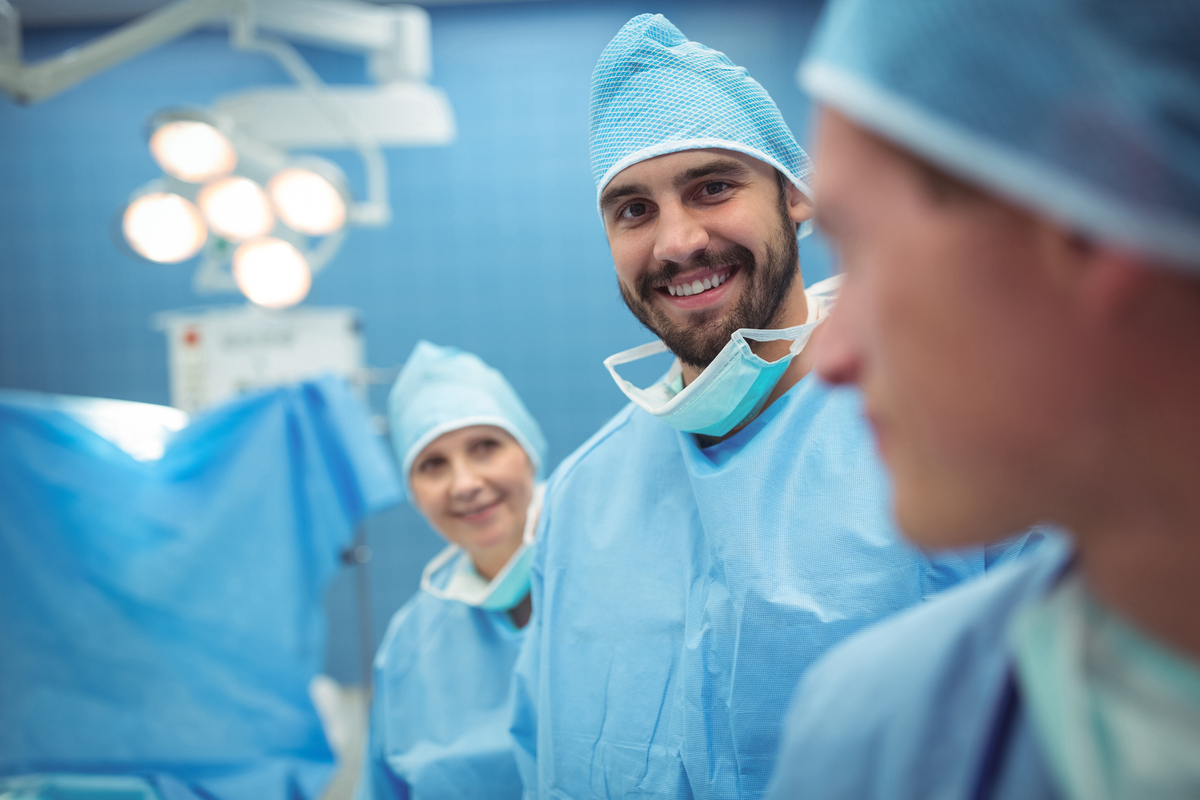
(495, 536)
(940, 525)
(486, 540)
(918, 531)
(937, 523)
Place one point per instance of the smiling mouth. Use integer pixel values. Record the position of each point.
(699, 285)
(473, 514)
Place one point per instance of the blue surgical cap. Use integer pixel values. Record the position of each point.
(654, 92)
(443, 389)
(1087, 111)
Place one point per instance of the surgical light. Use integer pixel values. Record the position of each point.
(271, 272)
(236, 208)
(192, 150)
(164, 227)
(308, 202)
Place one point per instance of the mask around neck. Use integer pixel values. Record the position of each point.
(1117, 713)
(731, 389)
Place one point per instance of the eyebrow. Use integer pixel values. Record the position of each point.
(726, 167)
(614, 194)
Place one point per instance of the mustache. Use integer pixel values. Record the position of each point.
(736, 256)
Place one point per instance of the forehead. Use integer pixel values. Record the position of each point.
(672, 164)
(848, 156)
(462, 438)
(857, 175)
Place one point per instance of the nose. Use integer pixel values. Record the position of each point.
(839, 356)
(465, 481)
(679, 235)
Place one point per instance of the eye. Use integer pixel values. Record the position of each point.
(713, 188)
(430, 465)
(484, 447)
(633, 211)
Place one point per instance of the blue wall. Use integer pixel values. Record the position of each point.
(495, 247)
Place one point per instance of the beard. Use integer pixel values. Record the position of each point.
(765, 288)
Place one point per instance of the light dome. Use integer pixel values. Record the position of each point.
(192, 151)
(164, 227)
(307, 202)
(236, 208)
(271, 272)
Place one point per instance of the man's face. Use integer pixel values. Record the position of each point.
(704, 243)
(959, 332)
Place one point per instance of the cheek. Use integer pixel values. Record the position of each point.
(625, 254)
(631, 251)
(964, 324)
(431, 499)
(514, 475)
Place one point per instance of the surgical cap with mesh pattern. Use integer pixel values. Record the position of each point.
(654, 92)
(1087, 111)
(443, 389)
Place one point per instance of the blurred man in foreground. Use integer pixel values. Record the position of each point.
(1014, 189)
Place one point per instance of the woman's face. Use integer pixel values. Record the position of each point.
(474, 486)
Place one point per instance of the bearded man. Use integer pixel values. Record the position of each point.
(731, 523)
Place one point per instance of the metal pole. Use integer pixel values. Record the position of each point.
(360, 560)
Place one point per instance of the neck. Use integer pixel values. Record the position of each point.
(1150, 580)
(489, 563)
(1139, 542)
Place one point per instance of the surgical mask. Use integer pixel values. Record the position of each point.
(1118, 714)
(502, 592)
(730, 390)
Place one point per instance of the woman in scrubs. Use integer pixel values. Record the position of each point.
(470, 457)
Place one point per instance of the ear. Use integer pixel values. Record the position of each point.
(800, 208)
(1117, 279)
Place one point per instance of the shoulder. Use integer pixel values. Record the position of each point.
(630, 428)
(607, 486)
(922, 642)
(909, 702)
(414, 623)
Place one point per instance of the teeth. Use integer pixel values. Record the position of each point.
(696, 287)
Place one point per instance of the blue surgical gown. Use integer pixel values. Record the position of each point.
(925, 706)
(680, 592)
(164, 618)
(441, 712)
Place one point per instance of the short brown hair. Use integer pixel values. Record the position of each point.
(941, 185)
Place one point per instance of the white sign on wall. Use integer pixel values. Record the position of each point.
(216, 354)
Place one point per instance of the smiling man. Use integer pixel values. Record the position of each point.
(730, 524)
(1014, 190)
